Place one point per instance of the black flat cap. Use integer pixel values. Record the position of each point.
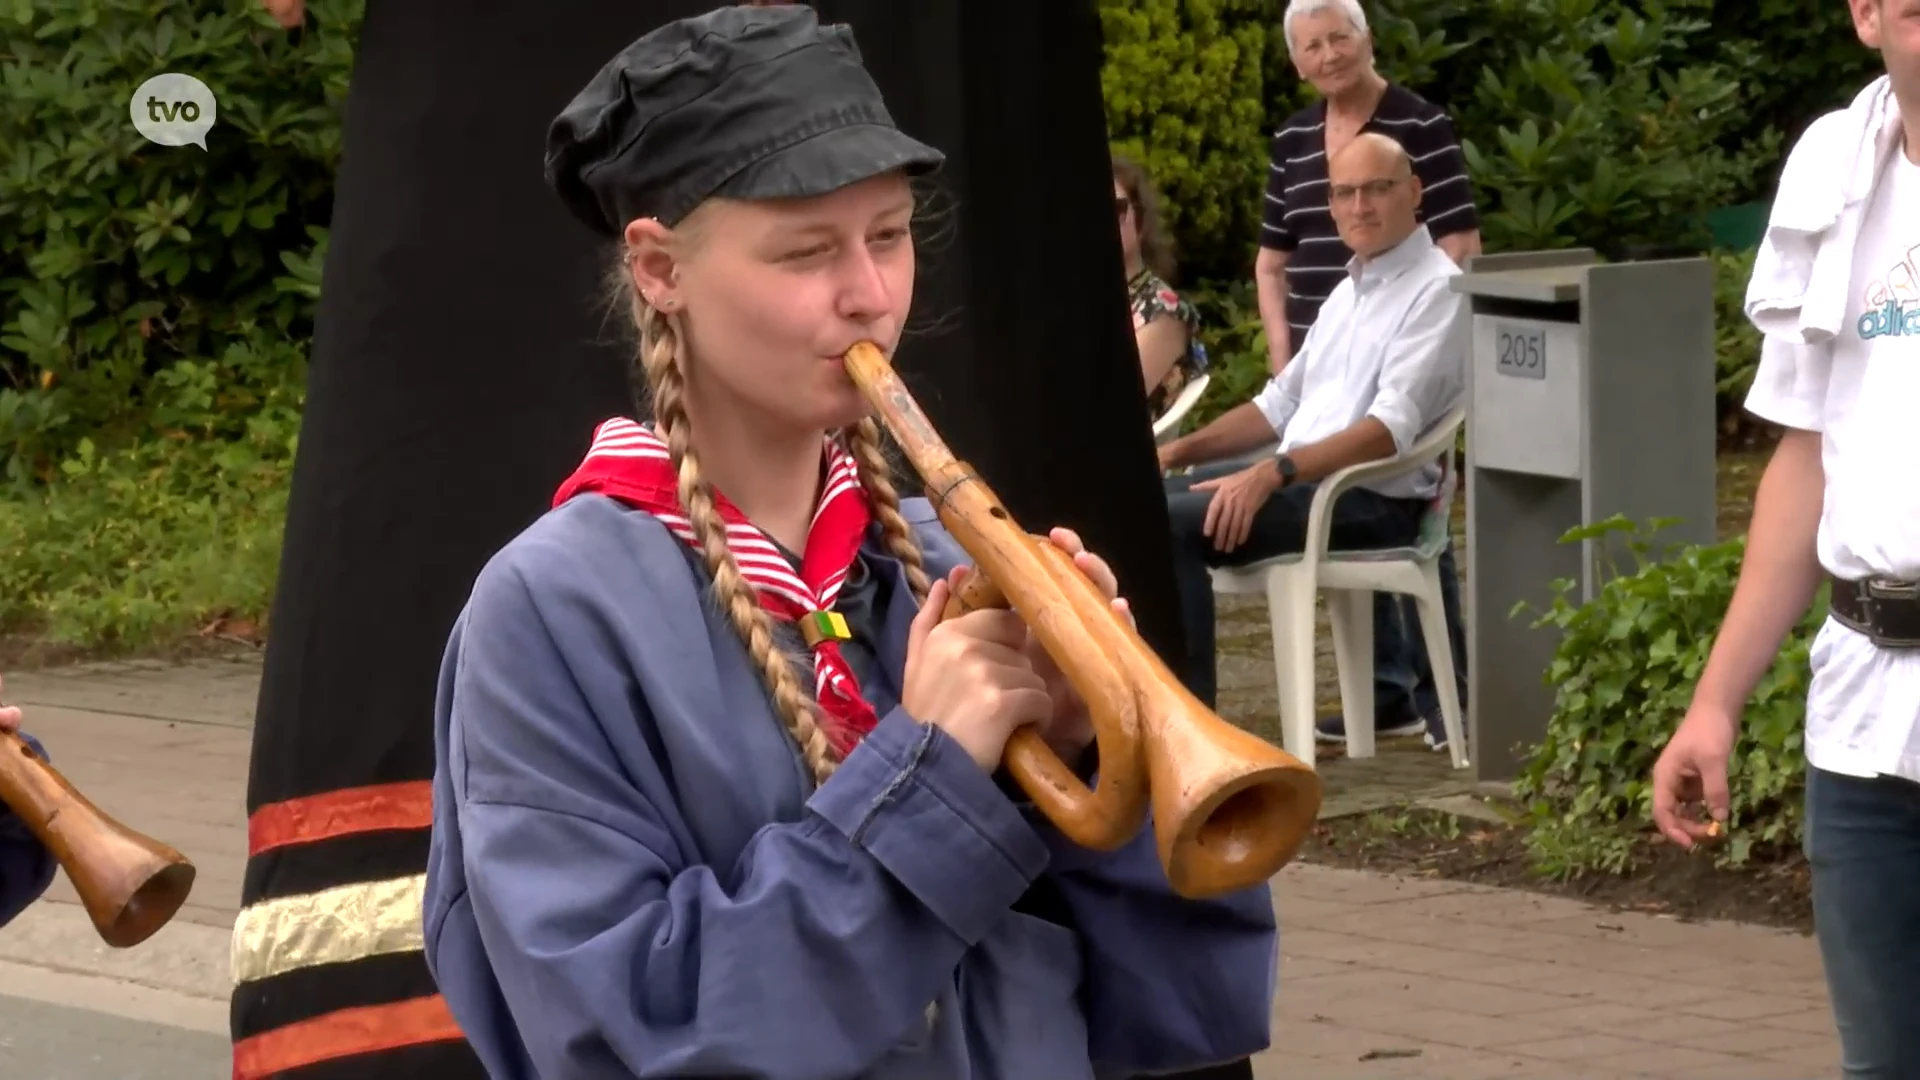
(743, 102)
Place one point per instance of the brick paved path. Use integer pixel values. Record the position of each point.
(1485, 982)
(1418, 978)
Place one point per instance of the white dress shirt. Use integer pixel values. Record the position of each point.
(1391, 343)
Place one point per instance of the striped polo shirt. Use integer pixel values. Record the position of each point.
(1296, 217)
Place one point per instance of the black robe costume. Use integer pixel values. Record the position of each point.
(462, 358)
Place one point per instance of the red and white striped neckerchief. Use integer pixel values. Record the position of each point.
(629, 462)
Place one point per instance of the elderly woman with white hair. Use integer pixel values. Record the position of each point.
(1301, 257)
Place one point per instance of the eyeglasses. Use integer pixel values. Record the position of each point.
(1373, 189)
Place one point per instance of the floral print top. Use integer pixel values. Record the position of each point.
(1150, 298)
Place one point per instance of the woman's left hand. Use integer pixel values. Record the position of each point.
(1070, 729)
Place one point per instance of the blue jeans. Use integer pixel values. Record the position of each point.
(1862, 838)
(1402, 677)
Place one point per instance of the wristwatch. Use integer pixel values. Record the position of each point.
(1288, 470)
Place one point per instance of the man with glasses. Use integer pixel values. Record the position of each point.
(1302, 257)
(1383, 363)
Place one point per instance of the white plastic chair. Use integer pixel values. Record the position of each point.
(1292, 581)
(1168, 425)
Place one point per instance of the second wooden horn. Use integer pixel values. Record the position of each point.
(1229, 809)
(130, 884)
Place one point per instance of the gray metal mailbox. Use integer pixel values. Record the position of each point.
(1590, 393)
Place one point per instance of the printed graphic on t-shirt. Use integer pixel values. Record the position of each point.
(1892, 300)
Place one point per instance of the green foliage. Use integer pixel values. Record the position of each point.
(1585, 122)
(142, 545)
(124, 259)
(1183, 82)
(1623, 673)
(155, 309)
(1236, 350)
(1736, 340)
(131, 546)
(1802, 60)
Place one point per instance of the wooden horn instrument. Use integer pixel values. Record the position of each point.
(1229, 809)
(130, 884)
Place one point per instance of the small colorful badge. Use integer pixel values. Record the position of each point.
(819, 626)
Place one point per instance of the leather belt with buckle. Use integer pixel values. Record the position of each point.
(1887, 612)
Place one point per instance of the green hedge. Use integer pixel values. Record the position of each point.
(1584, 124)
(1183, 84)
(124, 260)
(155, 309)
(1796, 59)
(1624, 673)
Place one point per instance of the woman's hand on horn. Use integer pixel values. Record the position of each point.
(968, 676)
(1070, 728)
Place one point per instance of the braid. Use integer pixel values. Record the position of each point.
(659, 358)
(876, 476)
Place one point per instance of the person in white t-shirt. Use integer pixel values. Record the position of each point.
(1840, 502)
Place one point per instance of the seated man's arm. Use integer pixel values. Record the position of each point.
(1244, 427)
(1420, 378)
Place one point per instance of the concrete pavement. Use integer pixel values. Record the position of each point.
(1437, 979)
(52, 1042)
(1381, 976)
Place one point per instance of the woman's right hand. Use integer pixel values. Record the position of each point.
(970, 676)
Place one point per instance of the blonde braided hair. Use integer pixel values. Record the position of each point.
(661, 357)
(876, 476)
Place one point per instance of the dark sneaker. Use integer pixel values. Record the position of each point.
(1436, 734)
(1333, 729)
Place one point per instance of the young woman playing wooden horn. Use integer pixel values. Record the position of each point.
(715, 790)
